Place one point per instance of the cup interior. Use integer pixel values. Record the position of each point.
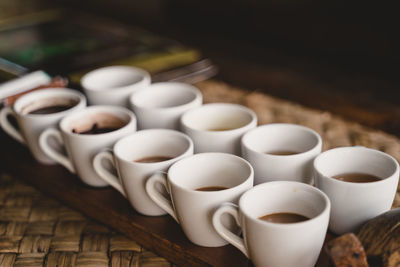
(165, 95)
(47, 98)
(218, 117)
(101, 116)
(355, 160)
(152, 143)
(283, 197)
(112, 77)
(281, 137)
(209, 170)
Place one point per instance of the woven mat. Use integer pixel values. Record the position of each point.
(38, 231)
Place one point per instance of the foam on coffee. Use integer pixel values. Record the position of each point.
(97, 123)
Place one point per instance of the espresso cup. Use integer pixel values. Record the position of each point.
(276, 243)
(138, 156)
(39, 110)
(114, 84)
(218, 127)
(354, 203)
(160, 105)
(281, 151)
(198, 185)
(84, 134)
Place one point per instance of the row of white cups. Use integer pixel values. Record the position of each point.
(206, 153)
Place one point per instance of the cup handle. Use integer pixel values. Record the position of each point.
(8, 127)
(105, 174)
(225, 233)
(155, 194)
(51, 152)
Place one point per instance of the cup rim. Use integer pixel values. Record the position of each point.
(170, 181)
(86, 83)
(246, 136)
(155, 86)
(142, 132)
(253, 115)
(351, 184)
(64, 121)
(48, 93)
(286, 225)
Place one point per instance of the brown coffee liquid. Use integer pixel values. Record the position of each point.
(97, 130)
(51, 109)
(282, 152)
(211, 188)
(153, 159)
(284, 217)
(357, 177)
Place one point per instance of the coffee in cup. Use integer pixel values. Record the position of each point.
(357, 177)
(37, 111)
(197, 186)
(218, 127)
(361, 183)
(136, 158)
(84, 134)
(281, 152)
(283, 223)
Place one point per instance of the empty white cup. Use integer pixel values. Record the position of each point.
(114, 84)
(161, 105)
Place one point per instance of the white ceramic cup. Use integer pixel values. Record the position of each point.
(281, 137)
(32, 125)
(114, 84)
(133, 175)
(278, 244)
(355, 203)
(218, 127)
(81, 148)
(161, 105)
(193, 209)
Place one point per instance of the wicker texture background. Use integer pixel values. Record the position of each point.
(38, 231)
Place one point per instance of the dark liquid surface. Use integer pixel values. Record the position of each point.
(284, 217)
(153, 159)
(97, 130)
(211, 188)
(51, 109)
(357, 177)
(282, 152)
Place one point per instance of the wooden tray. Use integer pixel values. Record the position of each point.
(162, 234)
(159, 234)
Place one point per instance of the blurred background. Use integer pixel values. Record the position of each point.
(340, 56)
